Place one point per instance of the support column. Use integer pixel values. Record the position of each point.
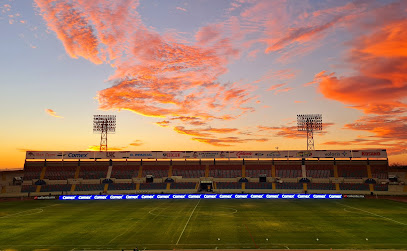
(42, 175)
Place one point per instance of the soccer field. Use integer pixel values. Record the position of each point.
(203, 224)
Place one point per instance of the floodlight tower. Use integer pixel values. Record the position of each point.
(104, 124)
(309, 123)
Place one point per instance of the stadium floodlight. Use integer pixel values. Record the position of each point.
(104, 124)
(309, 123)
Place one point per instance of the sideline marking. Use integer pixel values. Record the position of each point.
(251, 235)
(398, 222)
(23, 213)
(187, 222)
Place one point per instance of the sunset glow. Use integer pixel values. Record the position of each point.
(203, 75)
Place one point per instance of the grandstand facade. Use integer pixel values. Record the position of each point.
(352, 172)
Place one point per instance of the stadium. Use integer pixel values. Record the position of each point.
(217, 103)
(164, 200)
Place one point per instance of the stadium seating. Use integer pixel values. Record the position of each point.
(56, 188)
(89, 187)
(93, 170)
(379, 171)
(188, 171)
(288, 171)
(122, 186)
(60, 172)
(153, 186)
(352, 171)
(261, 185)
(225, 171)
(28, 188)
(156, 171)
(183, 185)
(124, 171)
(289, 185)
(228, 185)
(254, 171)
(33, 170)
(354, 186)
(320, 171)
(381, 187)
(321, 186)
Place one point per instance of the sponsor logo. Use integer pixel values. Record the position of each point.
(319, 196)
(85, 197)
(172, 155)
(147, 196)
(116, 197)
(181, 196)
(210, 196)
(370, 153)
(78, 155)
(100, 197)
(257, 196)
(163, 196)
(141, 155)
(110, 155)
(30, 154)
(44, 198)
(241, 154)
(225, 196)
(335, 196)
(67, 197)
(208, 154)
(304, 196)
(331, 154)
(304, 154)
(288, 196)
(194, 196)
(258, 154)
(274, 154)
(272, 196)
(132, 197)
(241, 196)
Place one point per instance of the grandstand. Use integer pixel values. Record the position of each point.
(87, 173)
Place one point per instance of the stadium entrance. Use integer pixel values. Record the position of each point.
(206, 185)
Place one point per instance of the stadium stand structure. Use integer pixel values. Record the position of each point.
(169, 176)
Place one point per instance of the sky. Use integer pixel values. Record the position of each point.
(202, 75)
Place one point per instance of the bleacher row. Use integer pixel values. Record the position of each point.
(193, 185)
(98, 170)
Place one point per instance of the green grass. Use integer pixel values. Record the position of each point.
(169, 224)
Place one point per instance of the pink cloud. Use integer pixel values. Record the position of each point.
(52, 113)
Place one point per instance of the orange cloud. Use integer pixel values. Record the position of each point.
(52, 113)
(164, 123)
(291, 131)
(136, 143)
(273, 87)
(282, 90)
(227, 141)
(110, 148)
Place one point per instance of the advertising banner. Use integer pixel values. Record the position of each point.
(79, 155)
(199, 196)
(112, 155)
(43, 155)
(369, 154)
(142, 155)
(295, 154)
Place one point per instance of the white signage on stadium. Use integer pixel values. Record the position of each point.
(207, 154)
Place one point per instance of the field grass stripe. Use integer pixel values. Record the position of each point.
(188, 221)
(389, 219)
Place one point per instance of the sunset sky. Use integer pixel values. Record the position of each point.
(202, 74)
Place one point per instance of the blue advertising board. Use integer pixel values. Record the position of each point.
(199, 196)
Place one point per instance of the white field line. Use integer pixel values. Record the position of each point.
(386, 218)
(188, 222)
(24, 213)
